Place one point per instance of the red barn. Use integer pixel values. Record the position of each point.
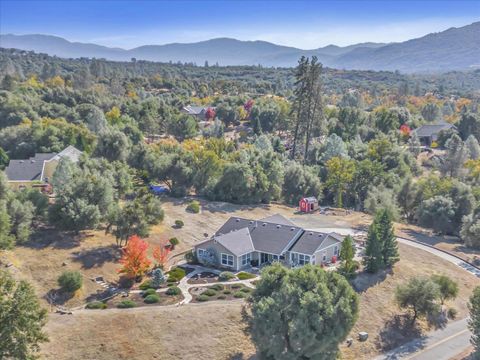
(308, 204)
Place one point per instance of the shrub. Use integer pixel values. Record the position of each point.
(227, 292)
(203, 298)
(158, 278)
(245, 290)
(194, 207)
(239, 294)
(148, 292)
(217, 287)
(176, 274)
(174, 290)
(179, 224)
(221, 297)
(452, 313)
(95, 305)
(191, 257)
(226, 276)
(147, 284)
(152, 299)
(126, 304)
(70, 281)
(209, 292)
(237, 286)
(174, 242)
(245, 275)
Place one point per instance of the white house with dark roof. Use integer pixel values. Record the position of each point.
(37, 170)
(241, 243)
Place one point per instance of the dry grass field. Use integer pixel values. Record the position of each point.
(198, 331)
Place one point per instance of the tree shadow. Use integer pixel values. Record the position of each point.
(364, 280)
(58, 297)
(241, 356)
(399, 331)
(49, 237)
(100, 295)
(96, 257)
(438, 320)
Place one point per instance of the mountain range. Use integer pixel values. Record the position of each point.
(452, 49)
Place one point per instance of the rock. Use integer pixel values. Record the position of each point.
(64, 263)
(349, 342)
(362, 336)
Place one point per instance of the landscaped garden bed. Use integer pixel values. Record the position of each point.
(147, 298)
(220, 292)
(203, 278)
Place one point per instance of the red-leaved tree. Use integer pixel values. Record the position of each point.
(160, 254)
(134, 258)
(248, 106)
(405, 130)
(210, 114)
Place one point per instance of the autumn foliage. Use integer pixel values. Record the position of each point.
(210, 114)
(160, 254)
(134, 258)
(405, 130)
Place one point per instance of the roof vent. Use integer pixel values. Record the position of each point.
(21, 161)
(264, 224)
(250, 222)
(278, 226)
(291, 229)
(32, 160)
(237, 220)
(311, 233)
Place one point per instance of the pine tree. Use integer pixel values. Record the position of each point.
(474, 322)
(373, 259)
(388, 239)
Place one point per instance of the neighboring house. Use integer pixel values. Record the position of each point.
(241, 243)
(429, 133)
(198, 111)
(37, 171)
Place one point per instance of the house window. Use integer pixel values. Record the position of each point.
(303, 259)
(201, 253)
(246, 258)
(336, 251)
(227, 260)
(274, 257)
(324, 256)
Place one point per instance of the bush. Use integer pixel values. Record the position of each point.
(209, 292)
(191, 257)
(227, 292)
(239, 295)
(179, 224)
(203, 298)
(221, 297)
(452, 313)
(174, 290)
(174, 242)
(152, 299)
(226, 276)
(217, 287)
(245, 275)
(70, 281)
(147, 284)
(126, 304)
(176, 274)
(237, 286)
(95, 305)
(194, 207)
(245, 290)
(148, 292)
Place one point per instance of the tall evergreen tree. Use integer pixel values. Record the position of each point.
(373, 259)
(474, 322)
(388, 239)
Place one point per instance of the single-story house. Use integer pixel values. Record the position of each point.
(241, 243)
(200, 112)
(39, 169)
(429, 133)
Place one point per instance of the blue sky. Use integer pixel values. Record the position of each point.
(303, 24)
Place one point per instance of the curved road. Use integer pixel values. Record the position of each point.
(443, 344)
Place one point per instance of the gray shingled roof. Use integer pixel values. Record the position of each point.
(311, 241)
(432, 129)
(27, 170)
(238, 242)
(266, 236)
(278, 219)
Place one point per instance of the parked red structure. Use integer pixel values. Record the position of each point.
(308, 204)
